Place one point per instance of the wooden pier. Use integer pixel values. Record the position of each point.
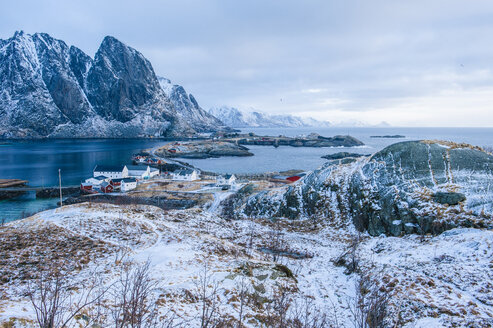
(10, 183)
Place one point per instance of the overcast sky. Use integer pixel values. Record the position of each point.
(409, 63)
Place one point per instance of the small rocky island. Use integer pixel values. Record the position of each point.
(312, 140)
(233, 144)
(202, 149)
(343, 154)
(387, 136)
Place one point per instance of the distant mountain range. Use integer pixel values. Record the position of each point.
(50, 89)
(236, 118)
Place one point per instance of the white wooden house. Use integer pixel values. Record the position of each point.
(96, 181)
(140, 172)
(153, 172)
(128, 184)
(226, 179)
(111, 171)
(185, 175)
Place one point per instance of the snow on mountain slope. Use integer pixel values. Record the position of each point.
(241, 119)
(116, 94)
(188, 108)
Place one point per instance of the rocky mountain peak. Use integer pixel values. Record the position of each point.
(116, 94)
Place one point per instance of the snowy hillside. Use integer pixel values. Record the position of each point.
(196, 257)
(408, 187)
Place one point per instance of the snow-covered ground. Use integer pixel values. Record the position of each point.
(443, 281)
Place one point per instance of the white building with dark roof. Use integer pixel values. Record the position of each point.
(139, 171)
(128, 184)
(226, 179)
(111, 171)
(185, 175)
(154, 172)
(97, 181)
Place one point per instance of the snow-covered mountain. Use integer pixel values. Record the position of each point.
(236, 118)
(50, 89)
(188, 108)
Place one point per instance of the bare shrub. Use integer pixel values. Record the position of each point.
(57, 302)
(134, 303)
(350, 257)
(370, 307)
(243, 290)
(207, 291)
(276, 242)
(277, 310)
(305, 314)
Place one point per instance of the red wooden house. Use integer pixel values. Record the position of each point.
(85, 186)
(106, 187)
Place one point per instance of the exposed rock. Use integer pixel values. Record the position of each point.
(202, 149)
(394, 192)
(116, 95)
(450, 198)
(188, 109)
(342, 154)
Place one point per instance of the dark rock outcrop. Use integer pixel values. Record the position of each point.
(343, 154)
(408, 187)
(449, 198)
(48, 89)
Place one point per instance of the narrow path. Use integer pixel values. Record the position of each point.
(218, 198)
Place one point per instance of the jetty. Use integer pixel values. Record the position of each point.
(11, 188)
(10, 183)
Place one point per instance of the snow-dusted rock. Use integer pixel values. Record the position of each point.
(392, 192)
(188, 109)
(48, 89)
(254, 119)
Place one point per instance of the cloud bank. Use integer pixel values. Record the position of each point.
(410, 63)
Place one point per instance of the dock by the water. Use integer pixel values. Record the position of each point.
(10, 188)
(10, 183)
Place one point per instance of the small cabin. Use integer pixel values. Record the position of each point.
(96, 181)
(153, 172)
(185, 175)
(128, 184)
(85, 186)
(227, 179)
(116, 183)
(106, 187)
(111, 171)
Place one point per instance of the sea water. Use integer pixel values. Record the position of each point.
(39, 161)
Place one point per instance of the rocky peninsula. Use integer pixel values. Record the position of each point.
(202, 149)
(312, 140)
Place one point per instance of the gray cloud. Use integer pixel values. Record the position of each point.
(406, 62)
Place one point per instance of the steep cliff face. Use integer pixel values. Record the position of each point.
(188, 109)
(48, 89)
(409, 187)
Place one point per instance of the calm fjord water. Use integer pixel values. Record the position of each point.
(39, 161)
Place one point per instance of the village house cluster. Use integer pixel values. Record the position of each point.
(110, 178)
(123, 178)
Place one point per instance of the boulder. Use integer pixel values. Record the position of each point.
(449, 198)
